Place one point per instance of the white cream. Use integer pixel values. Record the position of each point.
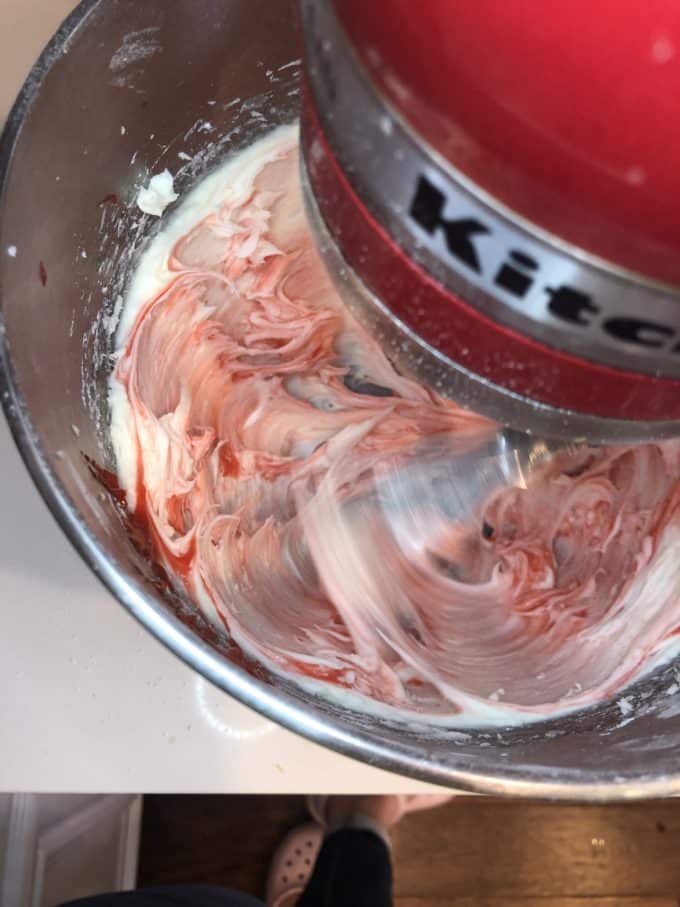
(160, 193)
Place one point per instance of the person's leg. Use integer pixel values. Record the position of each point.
(171, 896)
(353, 869)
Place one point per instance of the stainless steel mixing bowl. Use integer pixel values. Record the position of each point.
(122, 89)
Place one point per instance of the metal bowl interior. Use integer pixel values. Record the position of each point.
(123, 88)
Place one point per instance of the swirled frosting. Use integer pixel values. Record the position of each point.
(246, 400)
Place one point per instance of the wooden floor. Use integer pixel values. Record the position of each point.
(473, 852)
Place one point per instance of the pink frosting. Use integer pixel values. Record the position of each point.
(247, 385)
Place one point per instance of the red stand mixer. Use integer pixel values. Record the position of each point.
(497, 191)
(493, 187)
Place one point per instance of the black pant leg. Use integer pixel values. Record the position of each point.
(353, 869)
(171, 896)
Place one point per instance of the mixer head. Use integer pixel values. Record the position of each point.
(495, 194)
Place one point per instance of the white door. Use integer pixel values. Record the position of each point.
(56, 848)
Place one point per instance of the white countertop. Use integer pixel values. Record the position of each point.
(89, 701)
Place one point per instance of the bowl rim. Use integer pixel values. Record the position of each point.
(277, 706)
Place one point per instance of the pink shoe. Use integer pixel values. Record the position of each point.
(292, 865)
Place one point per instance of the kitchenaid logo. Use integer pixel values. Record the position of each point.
(519, 276)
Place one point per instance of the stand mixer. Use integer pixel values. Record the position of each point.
(63, 161)
(506, 235)
(494, 190)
